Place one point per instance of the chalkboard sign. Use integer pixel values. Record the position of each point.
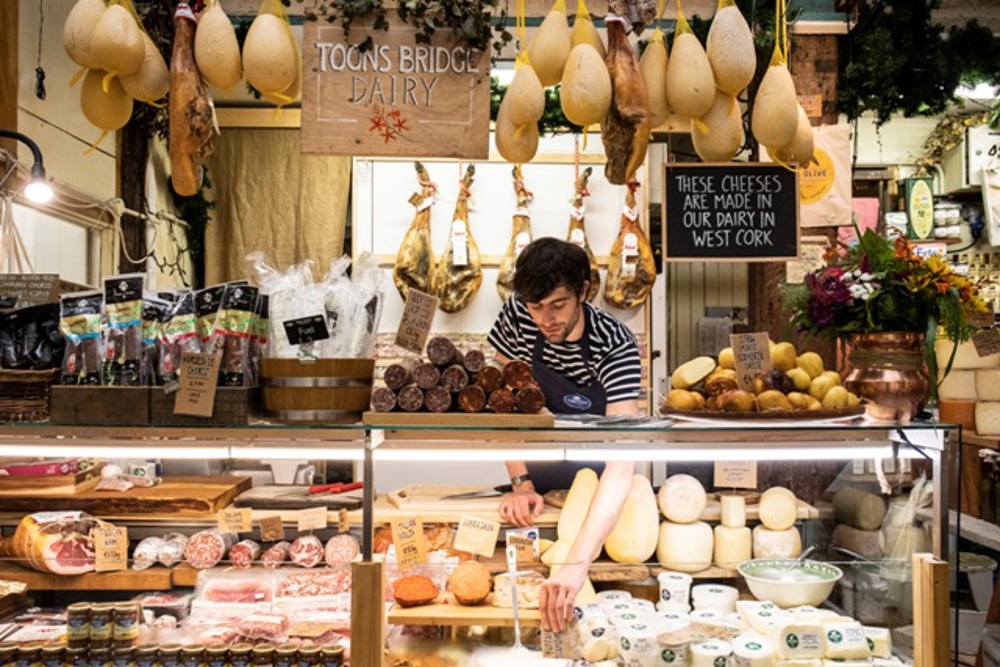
(306, 330)
(746, 212)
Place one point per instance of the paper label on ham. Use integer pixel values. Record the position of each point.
(460, 243)
(184, 12)
(523, 239)
(578, 238)
(425, 204)
(631, 213)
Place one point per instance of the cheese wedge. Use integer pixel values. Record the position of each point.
(845, 641)
(798, 640)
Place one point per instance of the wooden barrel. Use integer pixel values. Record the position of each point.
(325, 391)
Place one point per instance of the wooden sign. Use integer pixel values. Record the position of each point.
(717, 212)
(398, 98)
(28, 289)
(752, 356)
(736, 474)
(313, 518)
(477, 536)
(199, 379)
(110, 548)
(235, 520)
(408, 538)
(415, 325)
(272, 528)
(986, 342)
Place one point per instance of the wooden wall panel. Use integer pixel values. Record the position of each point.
(8, 70)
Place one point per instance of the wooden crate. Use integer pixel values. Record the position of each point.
(99, 406)
(234, 406)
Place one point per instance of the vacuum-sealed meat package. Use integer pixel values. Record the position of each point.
(80, 324)
(123, 331)
(234, 326)
(179, 334)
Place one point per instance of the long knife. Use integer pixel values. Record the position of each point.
(485, 493)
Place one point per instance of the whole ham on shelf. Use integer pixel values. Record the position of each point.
(578, 231)
(56, 542)
(415, 259)
(459, 272)
(520, 237)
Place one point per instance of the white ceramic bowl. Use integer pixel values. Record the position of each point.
(789, 583)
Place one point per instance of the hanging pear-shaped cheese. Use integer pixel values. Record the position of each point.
(216, 49)
(152, 81)
(803, 146)
(117, 42)
(585, 95)
(516, 144)
(775, 116)
(294, 89)
(730, 49)
(584, 32)
(550, 48)
(525, 97)
(654, 70)
(108, 111)
(79, 29)
(718, 135)
(270, 58)
(690, 82)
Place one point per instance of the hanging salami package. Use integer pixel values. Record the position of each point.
(206, 303)
(123, 330)
(179, 334)
(80, 325)
(234, 326)
(155, 313)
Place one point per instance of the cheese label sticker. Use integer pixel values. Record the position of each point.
(313, 518)
(415, 325)
(408, 538)
(110, 548)
(477, 536)
(272, 528)
(459, 243)
(736, 474)
(525, 543)
(235, 520)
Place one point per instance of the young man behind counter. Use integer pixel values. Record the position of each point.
(586, 362)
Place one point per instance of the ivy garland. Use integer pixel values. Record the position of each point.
(946, 135)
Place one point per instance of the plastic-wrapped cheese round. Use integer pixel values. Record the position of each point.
(682, 499)
(752, 651)
(707, 653)
(685, 547)
(715, 597)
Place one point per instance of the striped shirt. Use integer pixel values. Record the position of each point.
(614, 355)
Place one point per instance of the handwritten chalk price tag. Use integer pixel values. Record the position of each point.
(272, 528)
(199, 376)
(235, 520)
(343, 522)
(110, 548)
(415, 325)
(752, 356)
(408, 538)
(736, 474)
(313, 518)
(477, 536)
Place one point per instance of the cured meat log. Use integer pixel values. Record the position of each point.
(207, 548)
(437, 399)
(410, 398)
(626, 128)
(503, 401)
(475, 360)
(631, 269)
(244, 553)
(454, 378)
(520, 237)
(399, 375)
(383, 399)
(639, 12)
(441, 351)
(415, 259)
(491, 377)
(306, 551)
(192, 125)
(275, 555)
(341, 550)
(427, 376)
(578, 231)
(459, 273)
(517, 374)
(56, 542)
(472, 399)
(530, 400)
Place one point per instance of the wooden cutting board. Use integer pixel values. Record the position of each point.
(485, 420)
(449, 612)
(81, 481)
(179, 496)
(292, 497)
(427, 500)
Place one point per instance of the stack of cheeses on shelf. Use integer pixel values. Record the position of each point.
(970, 393)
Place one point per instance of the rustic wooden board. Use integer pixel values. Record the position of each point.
(179, 496)
(99, 406)
(153, 579)
(449, 612)
(425, 500)
(485, 420)
(290, 497)
(81, 481)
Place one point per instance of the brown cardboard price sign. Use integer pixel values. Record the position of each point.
(477, 536)
(272, 528)
(752, 356)
(408, 538)
(199, 378)
(313, 518)
(987, 342)
(110, 548)
(235, 520)
(525, 543)
(415, 325)
(343, 522)
(736, 474)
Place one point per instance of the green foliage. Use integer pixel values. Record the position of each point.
(553, 120)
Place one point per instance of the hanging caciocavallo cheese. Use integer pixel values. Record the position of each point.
(517, 145)
(152, 81)
(585, 94)
(635, 536)
(801, 150)
(775, 117)
(690, 81)
(653, 64)
(109, 111)
(216, 49)
(270, 57)
(79, 29)
(551, 45)
(584, 32)
(718, 136)
(294, 89)
(116, 42)
(730, 49)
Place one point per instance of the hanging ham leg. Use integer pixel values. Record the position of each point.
(520, 237)
(192, 122)
(578, 231)
(626, 128)
(415, 259)
(460, 272)
(631, 270)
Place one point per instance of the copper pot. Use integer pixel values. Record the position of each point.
(889, 372)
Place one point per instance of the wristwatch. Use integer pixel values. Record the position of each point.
(518, 480)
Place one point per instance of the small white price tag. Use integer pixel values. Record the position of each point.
(578, 237)
(459, 243)
(521, 242)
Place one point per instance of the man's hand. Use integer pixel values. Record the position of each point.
(521, 507)
(558, 595)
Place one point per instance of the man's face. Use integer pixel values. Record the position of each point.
(557, 314)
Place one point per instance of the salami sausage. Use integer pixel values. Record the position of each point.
(410, 398)
(530, 400)
(383, 399)
(306, 551)
(503, 401)
(517, 374)
(475, 360)
(454, 378)
(491, 377)
(427, 376)
(399, 375)
(441, 351)
(472, 399)
(207, 548)
(341, 550)
(244, 553)
(275, 556)
(437, 399)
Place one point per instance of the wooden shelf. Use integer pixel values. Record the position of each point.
(153, 579)
(450, 613)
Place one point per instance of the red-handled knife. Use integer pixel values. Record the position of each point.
(339, 487)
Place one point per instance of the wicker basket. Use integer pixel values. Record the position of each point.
(24, 395)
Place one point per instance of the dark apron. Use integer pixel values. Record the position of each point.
(563, 397)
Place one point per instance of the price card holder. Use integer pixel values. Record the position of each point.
(752, 356)
(563, 645)
(415, 325)
(110, 548)
(408, 538)
(343, 522)
(987, 342)
(199, 379)
(477, 536)
(525, 543)
(736, 474)
(311, 519)
(235, 520)
(272, 529)
(306, 330)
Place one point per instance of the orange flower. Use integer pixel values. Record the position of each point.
(942, 287)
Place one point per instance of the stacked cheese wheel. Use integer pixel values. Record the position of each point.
(686, 543)
(777, 536)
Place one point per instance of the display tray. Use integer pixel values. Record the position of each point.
(450, 613)
(543, 419)
(80, 481)
(771, 416)
(153, 579)
(178, 496)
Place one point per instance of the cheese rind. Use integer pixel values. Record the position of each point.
(845, 641)
(682, 499)
(987, 385)
(799, 639)
(960, 385)
(734, 511)
(778, 509)
(966, 357)
(732, 546)
(685, 547)
(769, 544)
(987, 418)
(879, 642)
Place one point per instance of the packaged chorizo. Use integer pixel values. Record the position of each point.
(207, 302)
(179, 334)
(234, 326)
(80, 325)
(123, 332)
(155, 313)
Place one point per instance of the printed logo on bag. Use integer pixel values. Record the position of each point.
(668, 656)
(835, 637)
(577, 401)
(816, 181)
(754, 646)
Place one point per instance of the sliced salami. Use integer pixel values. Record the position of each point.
(472, 399)
(517, 374)
(275, 555)
(475, 360)
(491, 377)
(383, 399)
(530, 400)
(341, 550)
(244, 553)
(306, 551)
(207, 548)
(454, 378)
(410, 398)
(503, 401)
(399, 375)
(441, 351)
(427, 376)
(437, 399)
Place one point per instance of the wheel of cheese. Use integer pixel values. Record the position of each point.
(753, 651)
(778, 508)
(734, 511)
(773, 544)
(715, 598)
(708, 653)
(732, 546)
(682, 499)
(685, 547)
